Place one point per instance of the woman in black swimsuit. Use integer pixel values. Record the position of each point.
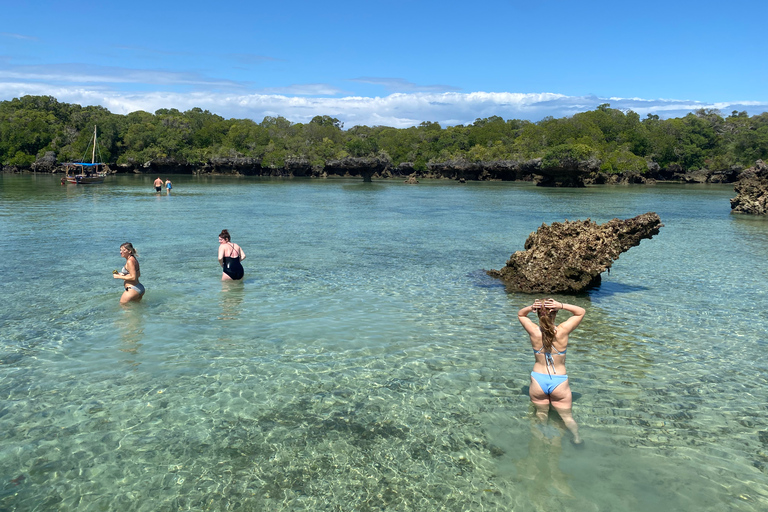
(230, 256)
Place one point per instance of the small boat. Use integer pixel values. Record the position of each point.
(82, 173)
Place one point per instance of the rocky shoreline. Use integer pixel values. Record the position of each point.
(751, 184)
(577, 174)
(752, 190)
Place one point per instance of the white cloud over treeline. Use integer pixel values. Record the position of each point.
(398, 110)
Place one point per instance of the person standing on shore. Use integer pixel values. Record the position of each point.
(230, 256)
(158, 184)
(549, 380)
(168, 187)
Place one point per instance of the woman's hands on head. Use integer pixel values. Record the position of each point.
(550, 304)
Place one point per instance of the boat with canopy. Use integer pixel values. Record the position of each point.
(83, 173)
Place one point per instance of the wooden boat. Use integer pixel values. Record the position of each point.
(82, 173)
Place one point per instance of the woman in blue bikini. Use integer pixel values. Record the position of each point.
(549, 381)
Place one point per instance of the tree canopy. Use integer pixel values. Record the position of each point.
(619, 140)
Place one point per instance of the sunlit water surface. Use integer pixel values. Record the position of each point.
(367, 362)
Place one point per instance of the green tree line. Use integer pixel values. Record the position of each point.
(619, 140)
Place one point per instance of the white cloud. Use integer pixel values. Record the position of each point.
(88, 73)
(18, 36)
(123, 90)
(401, 85)
(304, 90)
(398, 110)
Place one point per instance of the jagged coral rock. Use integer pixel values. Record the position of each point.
(752, 190)
(570, 256)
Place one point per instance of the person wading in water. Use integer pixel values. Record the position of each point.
(549, 380)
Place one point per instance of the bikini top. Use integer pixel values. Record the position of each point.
(550, 362)
(124, 270)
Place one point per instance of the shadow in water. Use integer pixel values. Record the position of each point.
(540, 468)
(10, 358)
(607, 289)
(751, 228)
(745, 219)
(231, 299)
(481, 279)
(129, 322)
(363, 187)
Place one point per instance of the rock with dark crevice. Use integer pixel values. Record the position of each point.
(357, 166)
(570, 256)
(752, 190)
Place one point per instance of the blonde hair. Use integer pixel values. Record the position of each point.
(129, 247)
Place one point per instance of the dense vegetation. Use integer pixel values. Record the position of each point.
(619, 140)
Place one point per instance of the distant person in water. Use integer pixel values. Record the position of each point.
(130, 273)
(549, 381)
(230, 256)
(158, 184)
(168, 187)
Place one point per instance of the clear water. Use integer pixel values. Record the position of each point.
(367, 362)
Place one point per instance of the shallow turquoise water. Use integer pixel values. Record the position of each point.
(367, 362)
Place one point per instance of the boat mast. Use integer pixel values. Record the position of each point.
(93, 152)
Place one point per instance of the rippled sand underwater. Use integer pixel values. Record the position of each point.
(367, 362)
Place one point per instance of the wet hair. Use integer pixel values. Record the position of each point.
(547, 327)
(224, 234)
(129, 247)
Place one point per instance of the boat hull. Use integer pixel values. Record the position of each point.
(85, 180)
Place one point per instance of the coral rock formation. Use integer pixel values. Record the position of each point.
(570, 256)
(752, 190)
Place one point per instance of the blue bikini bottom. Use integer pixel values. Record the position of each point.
(548, 382)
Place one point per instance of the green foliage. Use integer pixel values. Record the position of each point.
(623, 160)
(274, 156)
(362, 147)
(566, 155)
(32, 125)
(21, 159)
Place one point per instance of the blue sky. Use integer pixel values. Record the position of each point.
(394, 63)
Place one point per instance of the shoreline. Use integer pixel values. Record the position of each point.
(558, 179)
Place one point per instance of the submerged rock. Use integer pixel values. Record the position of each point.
(570, 256)
(752, 190)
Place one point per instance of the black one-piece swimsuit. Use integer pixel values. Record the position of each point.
(232, 267)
